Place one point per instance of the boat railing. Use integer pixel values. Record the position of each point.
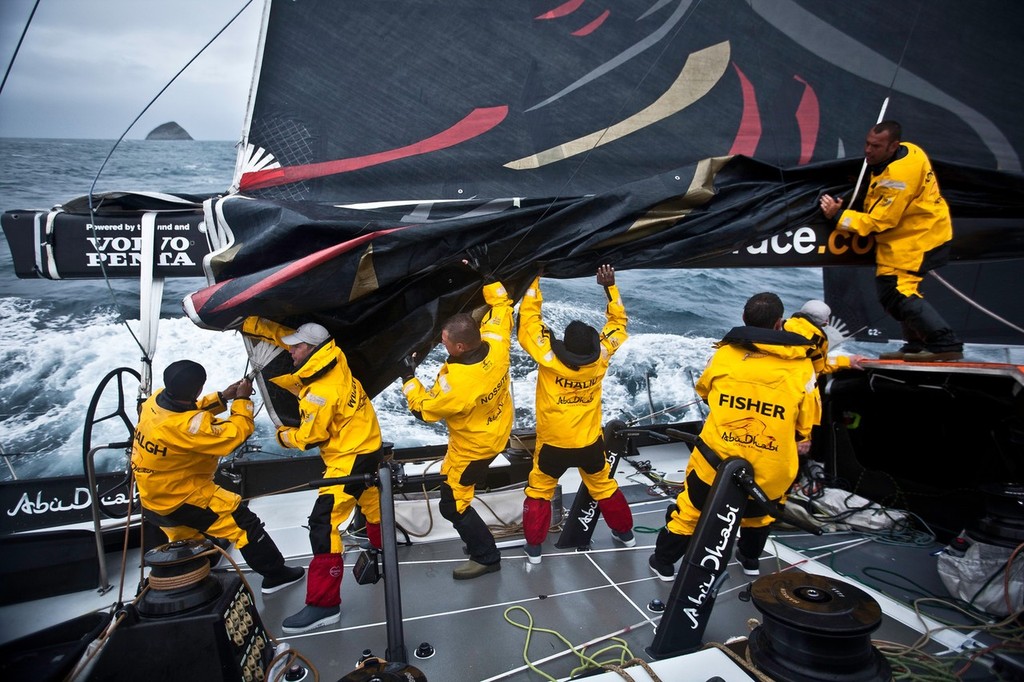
(94, 505)
(7, 461)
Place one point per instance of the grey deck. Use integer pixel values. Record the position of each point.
(586, 597)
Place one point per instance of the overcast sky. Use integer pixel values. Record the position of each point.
(87, 68)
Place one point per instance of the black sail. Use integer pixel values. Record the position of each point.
(385, 139)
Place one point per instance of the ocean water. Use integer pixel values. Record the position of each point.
(59, 339)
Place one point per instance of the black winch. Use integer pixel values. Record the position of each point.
(815, 628)
(179, 579)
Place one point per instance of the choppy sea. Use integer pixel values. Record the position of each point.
(59, 339)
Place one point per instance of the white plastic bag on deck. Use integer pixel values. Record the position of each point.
(980, 576)
(835, 509)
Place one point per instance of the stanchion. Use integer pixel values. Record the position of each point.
(390, 475)
(704, 566)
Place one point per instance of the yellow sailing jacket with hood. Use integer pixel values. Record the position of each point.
(905, 212)
(762, 399)
(335, 413)
(818, 352)
(474, 400)
(568, 400)
(176, 453)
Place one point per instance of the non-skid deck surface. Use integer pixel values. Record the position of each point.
(587, 598)
(479, 628)
(580, 596)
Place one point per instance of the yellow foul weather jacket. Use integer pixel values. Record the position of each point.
(335, 413)
(568, 400)
(818, 353)
(762, 399)
(905, 211)
(474, 400)
(175, 454)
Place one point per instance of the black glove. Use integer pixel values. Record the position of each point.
(407, 367)
(476, 260)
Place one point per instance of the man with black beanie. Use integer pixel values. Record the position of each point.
(178, 446)
(569, 410)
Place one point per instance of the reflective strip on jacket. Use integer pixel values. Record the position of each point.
(176, 454)
(906, 213)
(568, 406)
(474, 400)
(335, 413)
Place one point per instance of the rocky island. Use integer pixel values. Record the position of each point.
(168, 131)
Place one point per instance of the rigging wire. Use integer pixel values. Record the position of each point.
(99, 172)
(17, 48)
(864, 163)
(651, 415)
(888, 95)
(974, 304)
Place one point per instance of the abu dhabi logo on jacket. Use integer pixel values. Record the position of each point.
(749, 431)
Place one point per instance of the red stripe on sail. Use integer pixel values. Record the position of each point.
(808, 120)
(749, 133)
(562, 10)
(592, 26)
(201, 297)
(296, 268)
(477, 122)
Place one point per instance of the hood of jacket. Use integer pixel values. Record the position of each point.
(782, 344)
(321, 361)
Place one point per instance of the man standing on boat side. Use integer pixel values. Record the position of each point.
(569, 380)
(472, 394)
(178, 446)
(336, 416)
(912, 228)
(761, 389)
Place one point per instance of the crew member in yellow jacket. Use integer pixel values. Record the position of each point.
(760, 388)
(177, 448)
(810, 323)
(472, 394)
(569, 381)
(910, 220)
(337, 417)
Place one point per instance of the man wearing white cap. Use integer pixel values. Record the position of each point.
(810, 323)
(336, 416)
